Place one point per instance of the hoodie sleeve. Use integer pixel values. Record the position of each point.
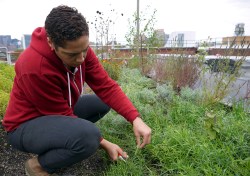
(107, 89)
(44, 92)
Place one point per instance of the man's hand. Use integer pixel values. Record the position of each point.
(141, 130)
(113, 150)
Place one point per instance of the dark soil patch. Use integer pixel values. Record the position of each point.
(12, 162)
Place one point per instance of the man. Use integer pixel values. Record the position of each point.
(47, 114)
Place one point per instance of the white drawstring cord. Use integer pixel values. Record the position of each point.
(70, 103)
(69, 89)
(81, 79)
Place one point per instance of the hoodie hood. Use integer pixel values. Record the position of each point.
(40, 44)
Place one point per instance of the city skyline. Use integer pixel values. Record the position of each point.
(207, 18)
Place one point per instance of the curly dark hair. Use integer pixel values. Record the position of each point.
(65, 24)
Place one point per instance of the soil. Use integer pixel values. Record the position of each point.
(12, 162)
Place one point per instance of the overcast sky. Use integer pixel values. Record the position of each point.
(214, 18)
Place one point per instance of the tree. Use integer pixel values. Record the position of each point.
(147, 34)
(102, 25)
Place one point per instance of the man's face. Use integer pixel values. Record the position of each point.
(74, 52)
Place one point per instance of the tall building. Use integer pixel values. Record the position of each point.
(26, 38)
(5, 40)
(10, 44)
(16, 43)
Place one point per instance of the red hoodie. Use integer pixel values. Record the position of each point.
(41, 85)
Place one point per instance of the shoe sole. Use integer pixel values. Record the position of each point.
(26, 172)
(26, 166)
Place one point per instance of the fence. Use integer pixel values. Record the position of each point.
(9, 57)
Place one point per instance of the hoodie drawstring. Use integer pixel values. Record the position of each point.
(70, 102)
(69, 89)
(81, 79)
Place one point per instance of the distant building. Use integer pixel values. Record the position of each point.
(10, 44)
(5, 40)
(181, 39)
(161, 36)
(16, 43)
(26, 38)
(236, 40)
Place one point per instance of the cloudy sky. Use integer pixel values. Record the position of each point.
(214, 18)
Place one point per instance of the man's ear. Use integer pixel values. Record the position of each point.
(50, 44)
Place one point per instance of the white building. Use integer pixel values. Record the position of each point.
(181, 39)
(25, 39)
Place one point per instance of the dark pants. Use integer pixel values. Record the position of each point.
(60, 141)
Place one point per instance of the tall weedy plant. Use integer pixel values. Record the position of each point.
(180, 70)
(219, 75)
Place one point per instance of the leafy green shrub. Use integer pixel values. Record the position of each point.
(113, 68)
(147, 96)
(219, 76)
(4, 97)
(134, 63)
(166, 92)
(190, 95)
(7, 74)
(134, 78)
(180, 71)
(7, 71)
(6, 84)
(182, 142)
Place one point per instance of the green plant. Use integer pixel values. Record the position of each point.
(7, 71)
(7, 74)
(181, 140)
(144, 40)
(147, 96)
(4, 99)
(134, 63)
(188, 137)
(211, 124)
(181, 70)
(219, 75)
(191, 95)
(113, 68)
(165, 92)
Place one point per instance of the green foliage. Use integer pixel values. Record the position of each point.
(133, 78)
(146, 39)
(184, 112)
(191, 95)
(113, 68)
(147, 96)
(4, 97)
(7, 74)
(179, 70)
(187, 137)
(165, 92)
(7, 71)
(147, 33)
(211, 125)
(134, 63)
(182, 71)
(218, 77)
(6, 84)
